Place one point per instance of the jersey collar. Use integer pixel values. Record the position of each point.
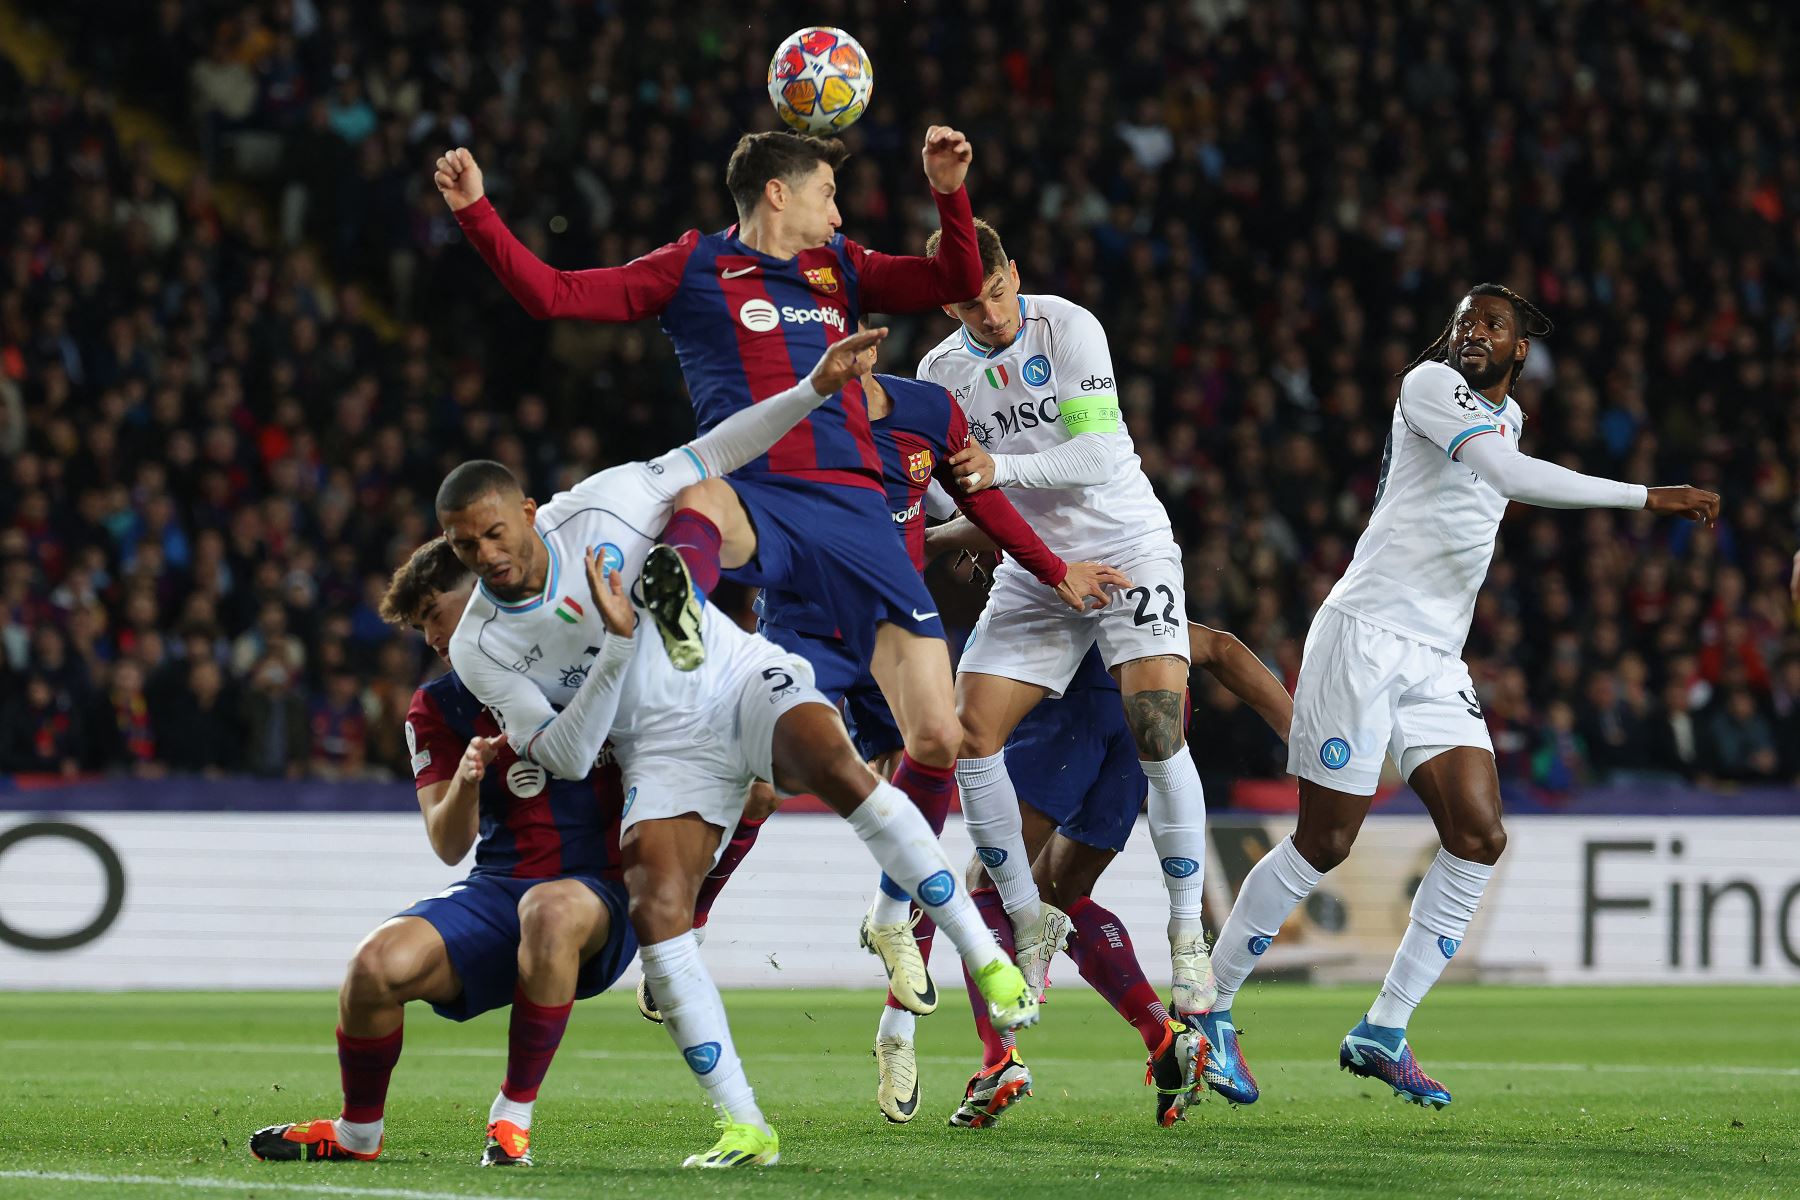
(976, 348)
(550, 581)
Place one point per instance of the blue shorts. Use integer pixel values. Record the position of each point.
(479, 922)
(1074, 760)
(837, 548)
(847, 684)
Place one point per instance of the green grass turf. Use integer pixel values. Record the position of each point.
(1663, 1092)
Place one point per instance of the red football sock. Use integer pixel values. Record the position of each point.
(1102, 951)
(531, 1042)
(995, 1046)
(742, 838)
(697, 540)
(364, 1066)
(931, 789)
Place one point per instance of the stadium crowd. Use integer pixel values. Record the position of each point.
(213, 455)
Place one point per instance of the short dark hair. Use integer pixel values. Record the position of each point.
(777, 154)
(431, 570)
(987, 238)
(473, 480)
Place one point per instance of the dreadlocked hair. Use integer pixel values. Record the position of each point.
(1530, 317)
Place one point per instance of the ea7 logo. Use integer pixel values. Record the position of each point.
(522, 665)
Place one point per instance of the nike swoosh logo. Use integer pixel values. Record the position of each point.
(736, 273)
(919, 616)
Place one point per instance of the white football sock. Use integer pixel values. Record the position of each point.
(896, 1022)
(516, 1111)
(902, 842)
(364, 1137)
(1441, 911)
(1273, 889)
(1178, 831)
(990, 809)
(889, 911)
(694, 1015)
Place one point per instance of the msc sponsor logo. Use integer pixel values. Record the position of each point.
(1027, 414)
(937, 888)
(1259, 944)
(982, 432)
(1335, 753)
(992, 856)
(1036, 370)
(1180, 868)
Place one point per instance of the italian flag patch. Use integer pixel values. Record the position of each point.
(568, 610)
(996, 377)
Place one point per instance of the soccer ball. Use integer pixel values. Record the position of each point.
(820, 80)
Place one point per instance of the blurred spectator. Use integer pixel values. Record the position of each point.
(43, 730)
(1742, 739)
(339, 729)
(278, 725)
(197, 728)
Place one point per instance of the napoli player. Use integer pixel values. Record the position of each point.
(747, 308)
(562, 678)
(1382, 674)
(539, 923)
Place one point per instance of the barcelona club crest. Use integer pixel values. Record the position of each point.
(822, 279)
(918, 466)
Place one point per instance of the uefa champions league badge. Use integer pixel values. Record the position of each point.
(1036, 370)
(1335, 754)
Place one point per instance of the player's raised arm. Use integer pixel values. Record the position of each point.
(899, 283)
(1242, 674)
(638, 289)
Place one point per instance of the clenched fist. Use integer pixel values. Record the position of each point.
(458, 179)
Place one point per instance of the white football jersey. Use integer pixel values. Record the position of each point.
(525, 660)
(1420, 563)
(1053, 382)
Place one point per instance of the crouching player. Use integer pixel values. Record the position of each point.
(538, 924)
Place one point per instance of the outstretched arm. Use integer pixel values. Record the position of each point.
(1242, 674)
(638, 289)
(1500, 465)
(898, 283)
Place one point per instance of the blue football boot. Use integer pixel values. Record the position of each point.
(1224, 1068)
(1377, 1052)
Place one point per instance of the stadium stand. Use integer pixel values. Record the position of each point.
(220, 430)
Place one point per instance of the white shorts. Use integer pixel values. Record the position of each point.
(1364, 693)
(1027, 633)
(708, 770)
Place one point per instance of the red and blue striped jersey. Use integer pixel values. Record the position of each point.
(533, 825)
(913, 443)
(747, 326)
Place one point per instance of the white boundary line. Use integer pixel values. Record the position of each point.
(495, 1052)
(201, 1182)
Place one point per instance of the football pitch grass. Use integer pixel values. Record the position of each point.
(1559, 1092)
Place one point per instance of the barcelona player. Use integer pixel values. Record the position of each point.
(538, 924)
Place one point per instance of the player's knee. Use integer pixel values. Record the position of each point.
(711, 498)
(551, 920)
(936, 741)
(1324, 849)
(979, 740)
(762, 802)
(378, 972)
(1482, 845)
(658, 914)
(843, 781)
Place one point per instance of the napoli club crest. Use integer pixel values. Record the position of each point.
(1036, 370)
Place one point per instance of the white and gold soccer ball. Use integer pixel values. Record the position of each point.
(820, 80)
